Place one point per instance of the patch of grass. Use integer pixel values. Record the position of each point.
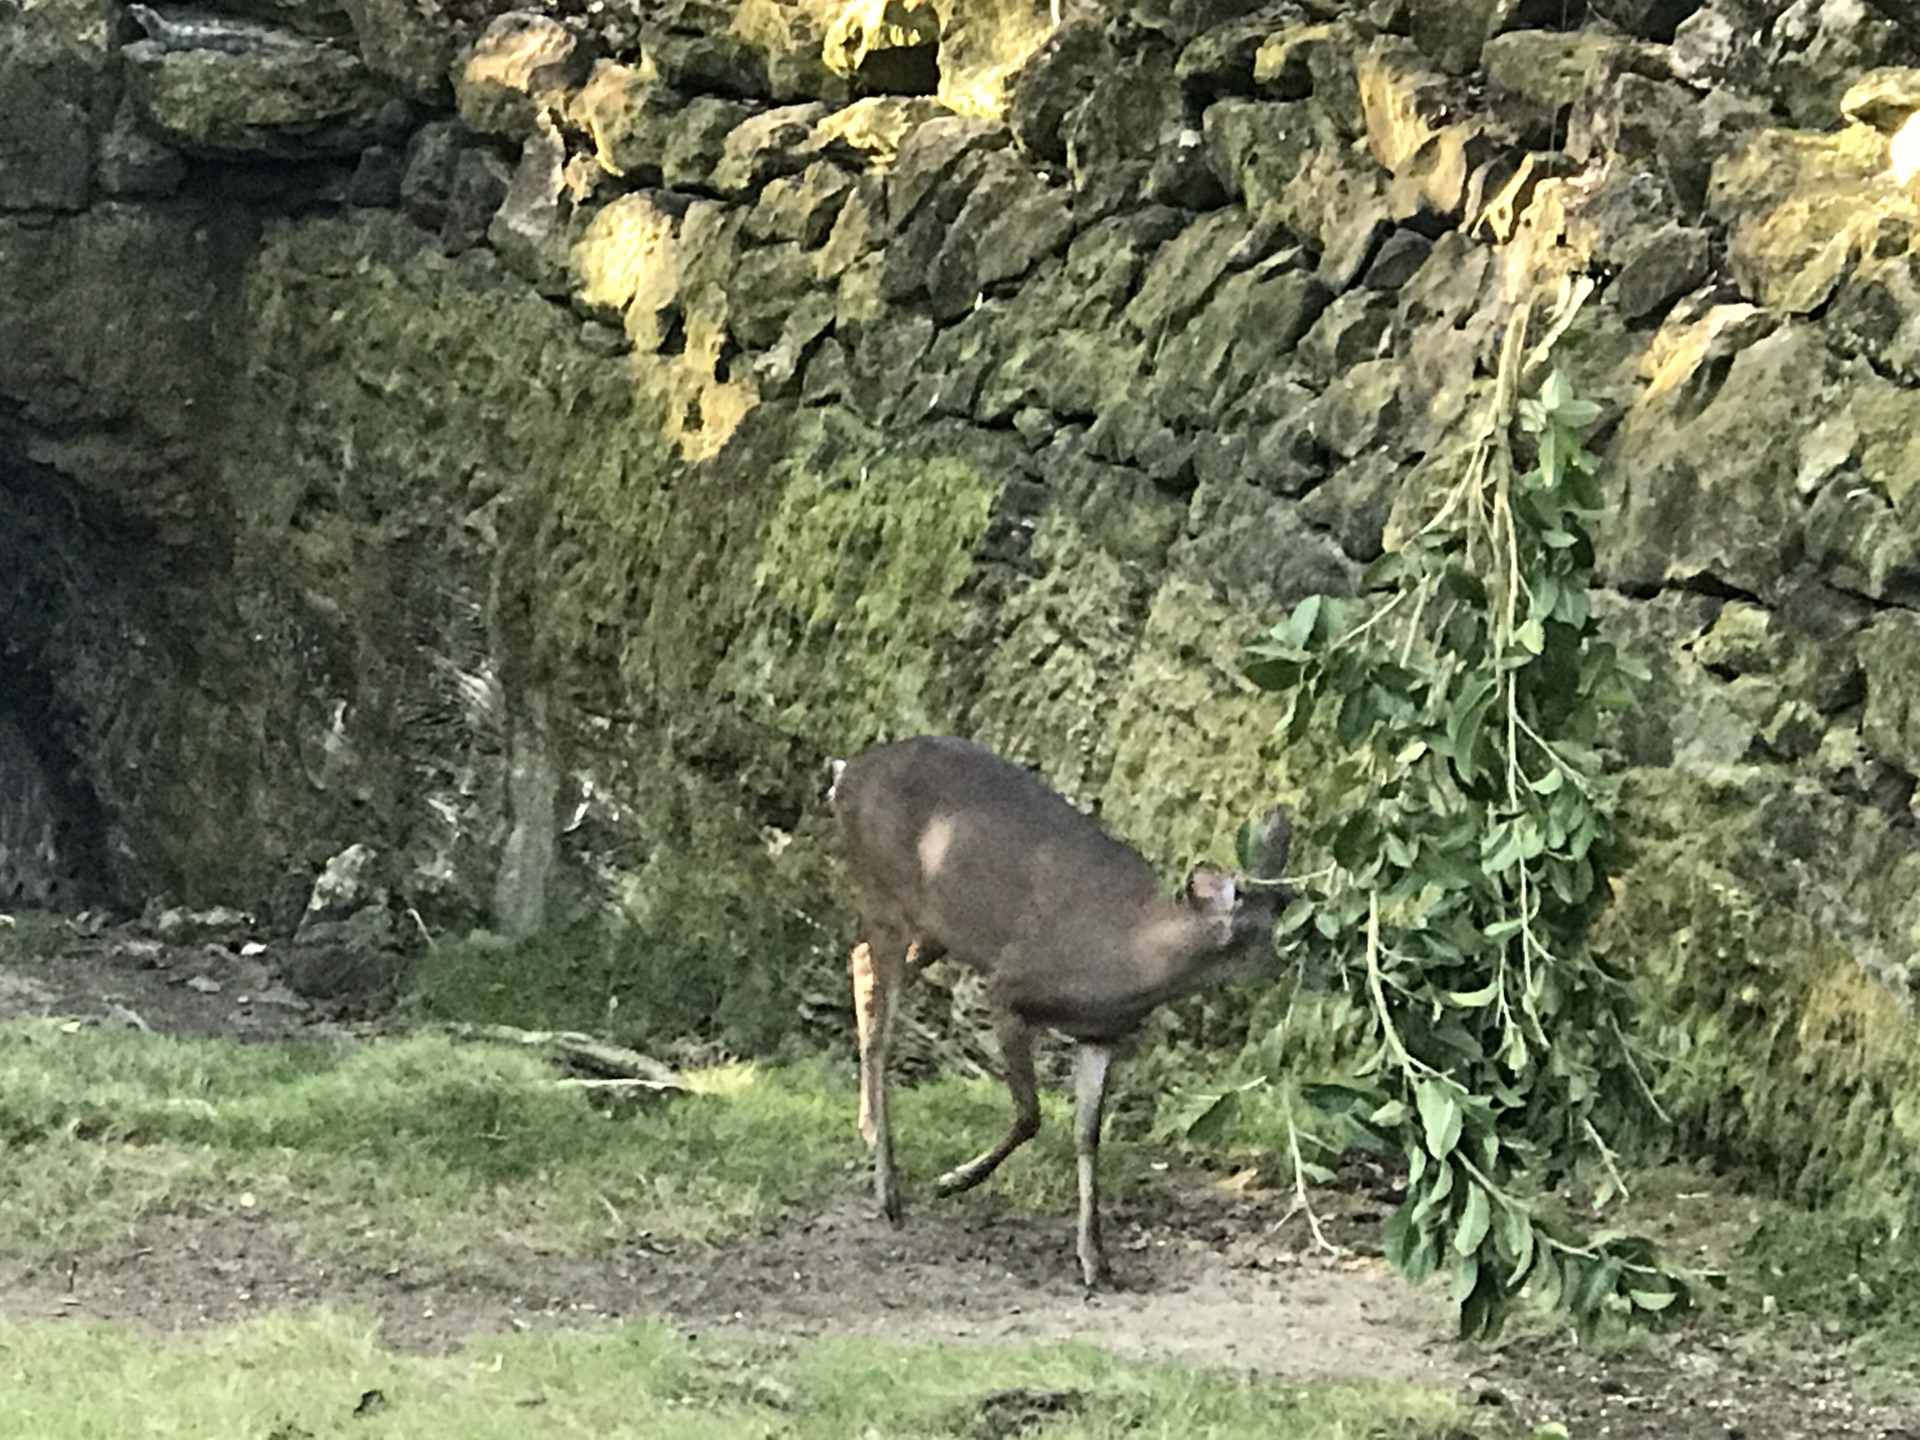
(434, 1150)
(564, 981)
(621, 983)
(303, 1377)
(1852, 1275)
(416, 1146)
(32, 935)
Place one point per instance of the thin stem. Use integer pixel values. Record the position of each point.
(1607, 1158)
(1301, 1204)
(1377, 989)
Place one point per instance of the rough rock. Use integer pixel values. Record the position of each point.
(1054, 84)
(886, 46)
(1654, 20)
(1257, 148)
(530, 227)
(130, 162)
(46, 119)
(295, 101)
(644, 132)
(768, 145)
(1821, 46)
(1694, 450)
(1666, 265)
(520, 65)
(1802, 210)
(801, 208)
(1885, 98)
(1221, 61)
(410, 45)
(1551, 69)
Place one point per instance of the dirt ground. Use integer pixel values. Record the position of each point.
(1205, 1276)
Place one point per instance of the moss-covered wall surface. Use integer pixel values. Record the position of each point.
(528, 443)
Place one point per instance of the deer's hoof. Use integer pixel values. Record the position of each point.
(961, 1177)
(1094, 1271)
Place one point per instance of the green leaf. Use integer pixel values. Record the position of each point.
(1394, 1112)
(1431, 1201)
(1356, 714)
(1475, 1216)
(1274, 673)
(1299, 718)
(1412, 753)
(1297, 628)
(1216, 1119)
(1439, 1115)
(1516, 1238)
(1465, 1280)
(1480, 1315)
(1474, 999)
(1514, 1054)
(1355, 842)
(1397, 1237)
(1423, 1257)
(1500, 848)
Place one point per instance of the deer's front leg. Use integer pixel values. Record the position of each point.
(1016, 1045)
(1090, 1071)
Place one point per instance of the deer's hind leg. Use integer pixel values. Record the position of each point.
(879, 966)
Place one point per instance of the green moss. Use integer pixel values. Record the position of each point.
(1063, 640)
(1781, 1057)
(1194, 749)
(860, 589)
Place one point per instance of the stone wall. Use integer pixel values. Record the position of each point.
(527, 444)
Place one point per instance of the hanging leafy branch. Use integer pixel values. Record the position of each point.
(1466, 818)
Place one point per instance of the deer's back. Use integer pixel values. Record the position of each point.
(978, 859)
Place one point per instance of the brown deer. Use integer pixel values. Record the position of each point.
(955, 852)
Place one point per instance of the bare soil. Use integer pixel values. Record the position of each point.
(1206, 1277)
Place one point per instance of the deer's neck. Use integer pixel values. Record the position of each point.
(1175, 950)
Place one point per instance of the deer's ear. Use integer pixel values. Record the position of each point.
(1262, 845)
(1213, 891)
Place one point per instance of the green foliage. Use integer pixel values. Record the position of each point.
(1465, 822)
